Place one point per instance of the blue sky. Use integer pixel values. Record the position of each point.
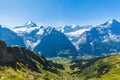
(58, 12)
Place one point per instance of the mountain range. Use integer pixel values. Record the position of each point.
(67, 50)
(67, 41)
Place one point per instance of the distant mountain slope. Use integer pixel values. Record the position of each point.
(101, 40)
(10, 37)
(56, 44)
(31, 34)
(73, 32)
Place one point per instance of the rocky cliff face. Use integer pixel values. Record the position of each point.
(5, 55)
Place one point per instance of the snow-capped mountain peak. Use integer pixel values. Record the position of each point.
(27, 28)
(88, 40)
(110, 22)
(73, 26)
(30, 24)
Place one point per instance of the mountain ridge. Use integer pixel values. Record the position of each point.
(81, 37)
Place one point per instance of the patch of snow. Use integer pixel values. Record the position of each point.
(24, 29)
(111, 37)
(29, 23)
(31, 44)
(76, 45)
(110, 21)
(81, 40)
(40, 31)
(3, 26)
(73, 26)
(114, 37)
(77, 33)
(61, 29)
(106, 39)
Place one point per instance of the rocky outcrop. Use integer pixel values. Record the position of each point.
(5, 55)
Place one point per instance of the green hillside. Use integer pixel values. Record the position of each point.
(102, 68)
(18, 63)
(107, 68)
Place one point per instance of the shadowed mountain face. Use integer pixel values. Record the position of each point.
(55, 44)
(10, 37)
